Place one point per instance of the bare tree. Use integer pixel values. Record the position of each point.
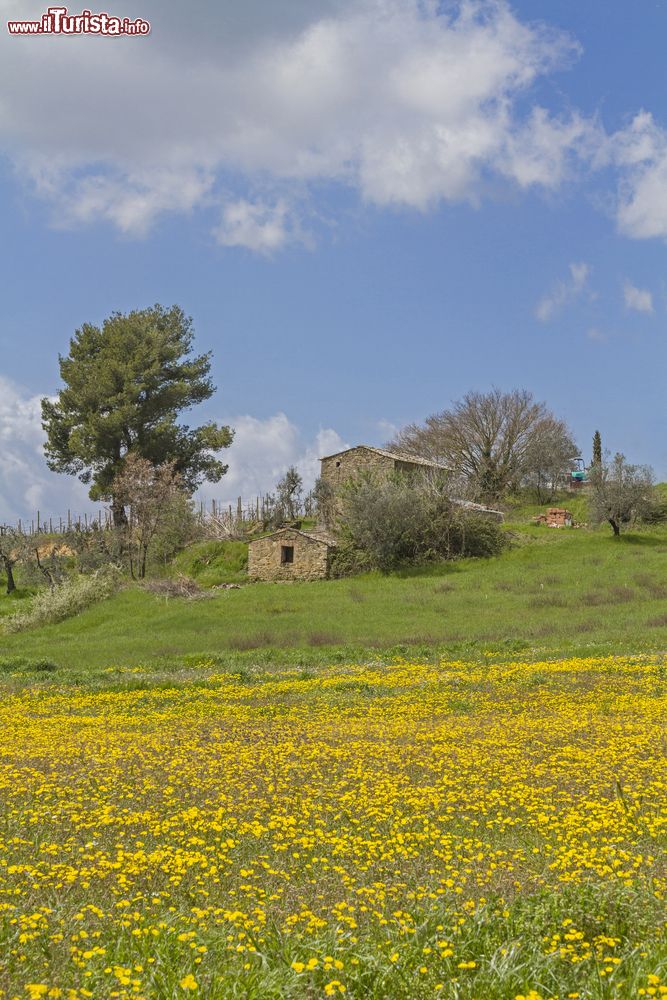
(548, 458)
(620, 493)
(149, 494)
(489, 439)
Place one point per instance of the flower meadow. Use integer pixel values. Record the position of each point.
(408, 830)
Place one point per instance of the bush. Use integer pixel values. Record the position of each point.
(64, 601)
(348, 560)
(405, 520)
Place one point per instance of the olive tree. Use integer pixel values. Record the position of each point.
(10, 553)
(288, 494)
(400, 520)
(620, 493)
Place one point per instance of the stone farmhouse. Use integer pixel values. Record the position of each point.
(293, 554)
(344, 465)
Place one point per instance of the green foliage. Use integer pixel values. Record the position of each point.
(95, 548)
(656, 511)
(288, 496)
(403, 520)
(347, 559)
(621, 493)
(64, 601)
(124, 385)
(176, 529)
(597, 449)
(211, 563)
(324, 497)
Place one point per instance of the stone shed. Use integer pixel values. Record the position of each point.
(291, 554)
(344, 465)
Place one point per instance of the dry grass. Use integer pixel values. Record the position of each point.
(180, 587)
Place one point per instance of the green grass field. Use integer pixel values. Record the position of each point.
(554, 592)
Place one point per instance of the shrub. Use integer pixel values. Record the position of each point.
(64, 601)
(403, 520)
(348, 560)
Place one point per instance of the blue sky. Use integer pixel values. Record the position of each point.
(368, 208)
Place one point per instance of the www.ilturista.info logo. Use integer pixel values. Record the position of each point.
(56, 21)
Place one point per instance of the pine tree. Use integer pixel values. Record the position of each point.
(597, 449)
(124, 387)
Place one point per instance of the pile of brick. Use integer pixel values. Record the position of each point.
(556, 517)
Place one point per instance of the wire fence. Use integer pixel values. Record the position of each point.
(228, 518)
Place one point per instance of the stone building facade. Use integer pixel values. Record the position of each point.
(291, 554)
(337, 469)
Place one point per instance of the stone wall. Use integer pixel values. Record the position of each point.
(337, 469)
(311, 557)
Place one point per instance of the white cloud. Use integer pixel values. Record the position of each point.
(640, 153)
(639, 299)
(132, 203)
(387, 429)
(541, 152)
(402, 101)
(26, 484)
(564, 292)
(596, 335)
(261, 453)
(258, 226)
(263, 450)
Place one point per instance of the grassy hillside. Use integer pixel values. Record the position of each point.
(211, 563)
(554, 592)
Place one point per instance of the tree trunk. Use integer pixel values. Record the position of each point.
(11, 584)
(46, 571)
(118, 513)
(615, 526)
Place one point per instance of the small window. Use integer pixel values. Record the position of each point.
(338, 464)
(287, 554)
